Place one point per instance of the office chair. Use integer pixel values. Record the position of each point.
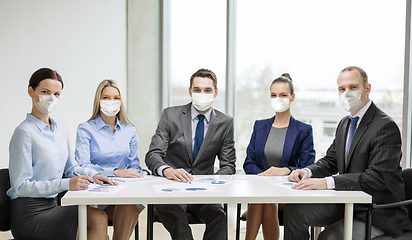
(4, 200)
(407, 178)
(243, 218)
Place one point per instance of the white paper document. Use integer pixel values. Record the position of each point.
(137, 180)
(194, 186)
(255, 177)
(288, 185)
(104, 189)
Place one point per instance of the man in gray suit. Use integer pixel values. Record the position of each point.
(365, 156)
(187, 140)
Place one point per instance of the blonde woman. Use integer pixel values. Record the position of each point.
(108, 143)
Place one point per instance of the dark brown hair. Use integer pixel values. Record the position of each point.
(284, 78)
(360, 70)
(205, 73)
(44, 73)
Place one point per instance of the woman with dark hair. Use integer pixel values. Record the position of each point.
(278, 145)
(39, 155)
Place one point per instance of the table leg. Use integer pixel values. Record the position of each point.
(348, 222)
(82, 222)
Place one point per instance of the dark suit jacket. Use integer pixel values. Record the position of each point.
(373, 166)
(298, 149)
(172, 143)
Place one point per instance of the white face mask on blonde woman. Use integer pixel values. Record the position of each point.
(110, 108)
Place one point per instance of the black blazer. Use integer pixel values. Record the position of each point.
(172, 143)
(373, 166)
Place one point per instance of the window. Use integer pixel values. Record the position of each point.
(313, 41)
(198, 40)
(310, 39)
(329, 128)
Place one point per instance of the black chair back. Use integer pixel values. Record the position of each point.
(407, 178)
(4, 200)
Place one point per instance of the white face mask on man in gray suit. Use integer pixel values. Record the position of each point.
(202, 92)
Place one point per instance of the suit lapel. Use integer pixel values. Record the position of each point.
(289, 141)
(340, 139)
(187, 131)
(363, 126)
(260, 146)
(214, 122)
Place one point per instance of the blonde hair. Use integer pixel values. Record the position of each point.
(121, 115)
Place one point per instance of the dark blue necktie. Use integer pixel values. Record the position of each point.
(200, 131)
(352, 130)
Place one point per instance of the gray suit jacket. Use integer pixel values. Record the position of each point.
(373, 166)
(172, 143)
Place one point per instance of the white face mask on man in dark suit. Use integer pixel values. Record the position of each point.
(351, 101)
(202, 101)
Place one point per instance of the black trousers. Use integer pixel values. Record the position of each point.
(298, 217)
(173, 218)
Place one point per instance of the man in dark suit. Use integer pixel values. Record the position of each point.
(364, 156)
(187, 140)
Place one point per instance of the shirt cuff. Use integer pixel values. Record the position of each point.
(90, 172)
(65, 184)
(309, 171)
(161, 168)
(109, 172)
(330, 182)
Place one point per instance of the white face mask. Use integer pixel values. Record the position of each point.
(351, 101)
(47, 103)
(202, 101)
(280, 104)
(110, 108)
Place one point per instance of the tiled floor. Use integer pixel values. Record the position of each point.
(160, 233)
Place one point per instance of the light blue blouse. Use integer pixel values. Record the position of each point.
(99, 148)
(38, 157)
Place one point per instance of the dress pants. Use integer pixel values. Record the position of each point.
(173, 218)
(298, 217)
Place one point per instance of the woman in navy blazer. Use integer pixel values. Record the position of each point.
(298, 152)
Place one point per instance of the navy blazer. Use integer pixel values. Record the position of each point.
(298, 151)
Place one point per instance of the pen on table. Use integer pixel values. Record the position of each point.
(76, 174)
(182, 181)
(119, 180)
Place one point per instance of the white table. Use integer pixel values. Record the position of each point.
(248, 189)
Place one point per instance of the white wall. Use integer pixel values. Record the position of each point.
(85, 41)
(143, 84)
